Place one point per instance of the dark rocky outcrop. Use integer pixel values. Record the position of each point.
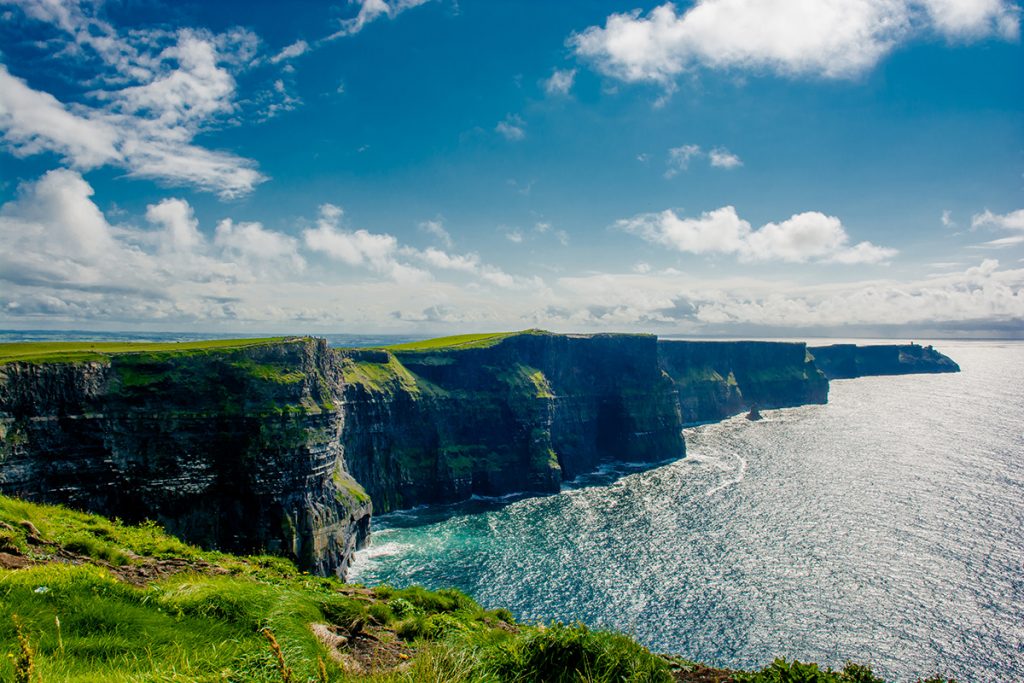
(282, 445)
(237, 450)
(522, 415)
(845, 361)
(718, 379)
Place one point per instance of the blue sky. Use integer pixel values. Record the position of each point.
(727, 167)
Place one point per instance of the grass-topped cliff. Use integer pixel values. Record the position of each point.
(66, 352)
(231, 444)
(86, 599)
(286, 445)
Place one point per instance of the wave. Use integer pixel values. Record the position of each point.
(364, 559)
(741, 472)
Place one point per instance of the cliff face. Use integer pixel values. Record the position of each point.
(717, 379)
(235, 450)
(844, 361)
(522, 415)
(280, 445)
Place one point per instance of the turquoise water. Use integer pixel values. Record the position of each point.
(885, 527)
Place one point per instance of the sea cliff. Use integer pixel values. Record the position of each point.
(845, 361)
(231, 448)
(286, 445)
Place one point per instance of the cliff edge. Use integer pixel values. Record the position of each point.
(846, 361)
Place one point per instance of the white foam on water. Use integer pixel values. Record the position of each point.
(363, 560)
(741, 472)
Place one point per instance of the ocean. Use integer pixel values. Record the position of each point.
(886, 527)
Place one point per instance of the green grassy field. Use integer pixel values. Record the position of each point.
(87, 599)
(62, 352)
(461, 341)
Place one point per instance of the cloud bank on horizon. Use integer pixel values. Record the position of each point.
(150, 184)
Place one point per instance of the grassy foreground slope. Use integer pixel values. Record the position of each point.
(83, 598)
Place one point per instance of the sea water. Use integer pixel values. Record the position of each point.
(885, 527)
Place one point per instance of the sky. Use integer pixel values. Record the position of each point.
(719, 167)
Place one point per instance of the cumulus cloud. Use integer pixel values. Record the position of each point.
(54, 233)
(158, 91)
(254, 243)
(376, 251)
(63, 260)
(723, 158)
(809, 236)
(471, 264)
(560, 82)
(512, 128)
(180, 229)
(823, 38)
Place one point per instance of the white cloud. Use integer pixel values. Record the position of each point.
(471, 264)
(62, 260)
(560, 82)
(376, 251)
(825, 38)
(34, 121)
(1009, 221)
(679, 159)
(512, 128)
(514, 236)
(1001, 243)
(253, 242)
(436, 228)
(296, 49)
(467, 263)
(179, 224)
(947, 219)
(159, 90)
(54, 232)
(370, 11)
(803, 237)
(723, 158)
(982, 296)
(965, 19)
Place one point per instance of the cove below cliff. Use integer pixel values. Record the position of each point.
(885, 526)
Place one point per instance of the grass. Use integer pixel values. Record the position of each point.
(67, 352)
(520, 377)
(379, 378)
(229, 618)
(463, 341)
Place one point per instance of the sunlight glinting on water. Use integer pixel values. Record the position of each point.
(884, 527)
